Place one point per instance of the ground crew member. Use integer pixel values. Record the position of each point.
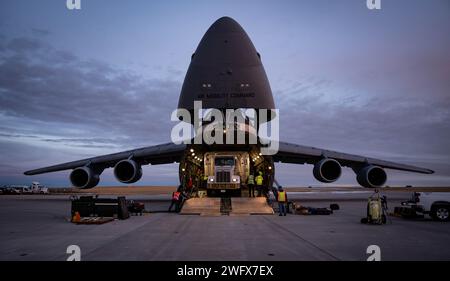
(282, 200)
(190, 185)
(176, 198)
(183, 197)
(199, 179)
(205, 181)
(251, 185)
(259, 183)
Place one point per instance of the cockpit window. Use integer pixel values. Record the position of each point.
(224, 161)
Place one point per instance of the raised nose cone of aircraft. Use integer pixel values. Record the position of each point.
(226, 24)
(226, 71)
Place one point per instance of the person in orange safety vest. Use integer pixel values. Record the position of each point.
(176, 199)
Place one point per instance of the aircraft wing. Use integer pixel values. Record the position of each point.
(299, 154)
(158, 154)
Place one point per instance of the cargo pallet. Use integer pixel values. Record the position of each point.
(94, 220)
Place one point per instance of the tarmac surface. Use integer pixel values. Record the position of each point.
(37, 227)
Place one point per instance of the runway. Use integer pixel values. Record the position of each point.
(36, 228)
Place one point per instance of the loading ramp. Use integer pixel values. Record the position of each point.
(211, 206)
(251, 206)
(201, 206)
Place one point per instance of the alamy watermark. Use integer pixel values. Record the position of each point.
(373, 4)
(374, 253)
(73, 4)
(212, 126)
(76, 4)
(74, 253)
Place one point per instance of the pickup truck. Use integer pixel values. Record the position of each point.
(434, 204)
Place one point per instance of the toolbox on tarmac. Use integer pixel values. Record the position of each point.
(90, 206)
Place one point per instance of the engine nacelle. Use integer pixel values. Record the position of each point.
(84, 177)
(371, 176)
(128, 171)
(327, 170)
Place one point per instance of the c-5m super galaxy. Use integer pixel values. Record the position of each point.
(226, 73)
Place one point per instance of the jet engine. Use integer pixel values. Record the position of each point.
(128, 171)
(84, 177)
(327, 170)
(371, 176)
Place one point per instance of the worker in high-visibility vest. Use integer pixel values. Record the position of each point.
(282, 201)
(251, 185)
(205, 181)
(259, 183)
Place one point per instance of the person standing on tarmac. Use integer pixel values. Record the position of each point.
(189, 185)
(176, 198)
(259, 183)
(205, 181)
(183, 197)
(251, 185)
(282, 200)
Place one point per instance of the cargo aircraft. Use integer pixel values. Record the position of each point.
(226, 72)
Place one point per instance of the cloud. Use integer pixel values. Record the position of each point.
(57, 107)
(411, 128)
(56, 88)
(53, 98)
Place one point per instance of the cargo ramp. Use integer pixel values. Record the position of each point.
(250, 206)
(226, 206)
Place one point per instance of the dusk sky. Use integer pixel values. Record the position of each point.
(82, 83)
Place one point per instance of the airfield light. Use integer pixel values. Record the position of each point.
(270, 167)
(193, 154)
(260, 154)
(192, 150)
